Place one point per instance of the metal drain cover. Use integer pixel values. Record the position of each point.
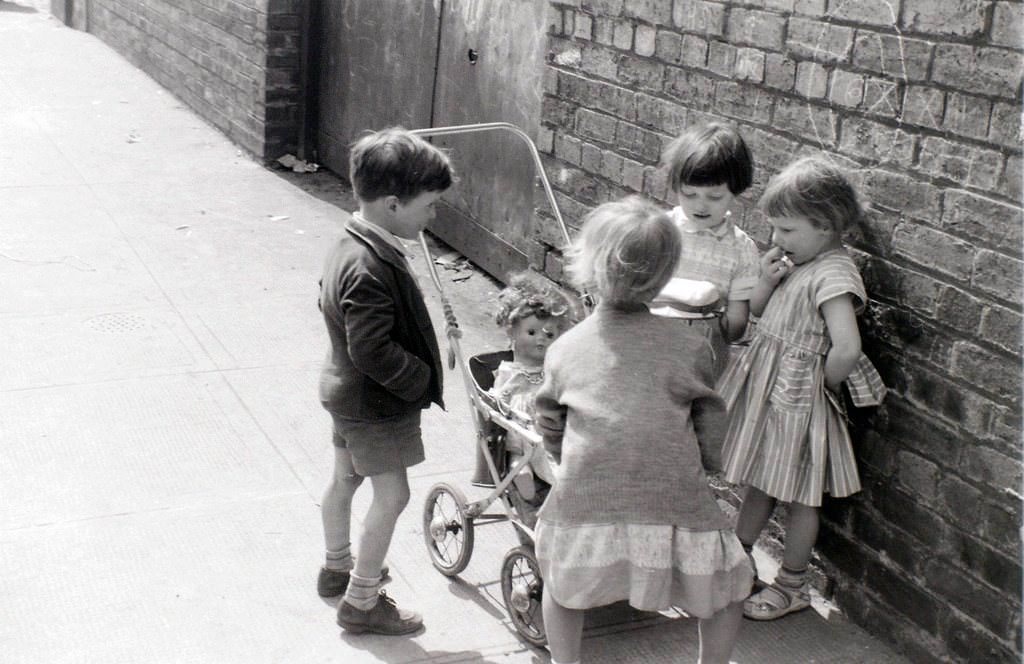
(117, 323)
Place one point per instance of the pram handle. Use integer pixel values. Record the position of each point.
(509, 127)
(451, 324)
(452, 330)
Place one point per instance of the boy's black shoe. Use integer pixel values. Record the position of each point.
(332, 582)
(384, 618)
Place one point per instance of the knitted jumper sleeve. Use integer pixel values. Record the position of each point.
(549, 418)
(708, 414)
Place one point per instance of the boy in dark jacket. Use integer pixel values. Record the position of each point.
(382, 368)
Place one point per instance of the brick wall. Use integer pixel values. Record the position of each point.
(920, 99)
(235, 62)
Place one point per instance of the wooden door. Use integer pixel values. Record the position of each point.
(433, 63)
(489, 70)
(376, 69)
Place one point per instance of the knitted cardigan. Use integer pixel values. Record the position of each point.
(625, 399)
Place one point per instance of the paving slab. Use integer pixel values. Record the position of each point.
(100, 343)
(39, 161)
(199, 584)
(120, 446)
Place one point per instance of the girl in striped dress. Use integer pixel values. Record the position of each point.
(787, 439)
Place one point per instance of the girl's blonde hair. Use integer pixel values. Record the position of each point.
(816, 189)
(625, 253)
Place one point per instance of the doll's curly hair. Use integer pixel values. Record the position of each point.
(526, 295)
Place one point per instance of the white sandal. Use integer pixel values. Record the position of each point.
(775, 601)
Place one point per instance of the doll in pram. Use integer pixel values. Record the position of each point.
(533, 313)
(511, 457)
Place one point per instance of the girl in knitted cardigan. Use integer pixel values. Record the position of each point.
(628, 409)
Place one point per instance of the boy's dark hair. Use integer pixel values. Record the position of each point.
(708, 155)
(397, 162)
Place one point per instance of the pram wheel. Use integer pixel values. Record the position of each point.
(447, 529)
(522, 589)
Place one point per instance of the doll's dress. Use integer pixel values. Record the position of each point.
(515, 385)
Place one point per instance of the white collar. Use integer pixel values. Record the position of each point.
(383, 233)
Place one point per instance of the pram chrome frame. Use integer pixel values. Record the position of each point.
(520, 577)
(476, 509)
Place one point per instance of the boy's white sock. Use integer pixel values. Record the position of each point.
(340, 560)
(362, 592)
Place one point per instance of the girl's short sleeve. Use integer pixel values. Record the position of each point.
(836, 276)
(748, 268)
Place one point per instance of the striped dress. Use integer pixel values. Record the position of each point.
(787, 433)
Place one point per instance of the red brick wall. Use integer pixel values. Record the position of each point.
(920, 99)
(235, 62)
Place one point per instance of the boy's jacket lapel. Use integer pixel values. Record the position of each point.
(383, 250)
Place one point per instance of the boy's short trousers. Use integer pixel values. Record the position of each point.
(380, 446)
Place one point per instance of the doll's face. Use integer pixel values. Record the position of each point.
(531, 337)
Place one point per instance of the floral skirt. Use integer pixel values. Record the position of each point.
(654, 567)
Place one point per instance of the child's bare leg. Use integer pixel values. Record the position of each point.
(390, 496)
(364, 609)
(754, 514)
(564, 628)
(336, 508)
(718, 634)
(789, 592)
(801, 534)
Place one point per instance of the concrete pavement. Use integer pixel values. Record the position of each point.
(162, 451)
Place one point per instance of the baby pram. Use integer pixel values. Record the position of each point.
(449, 518)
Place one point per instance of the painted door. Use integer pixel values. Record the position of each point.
(433, 63)
(489, 70)
(377, 62)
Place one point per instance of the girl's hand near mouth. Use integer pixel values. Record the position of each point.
(775, 265)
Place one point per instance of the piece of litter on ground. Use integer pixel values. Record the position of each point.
(298, 165)
(279, 217)
(448, 259)
(182, 227)
(452, 260)
(133, 137)
(462, 277)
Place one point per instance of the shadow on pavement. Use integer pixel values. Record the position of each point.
(323, 184)
(399, 649)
